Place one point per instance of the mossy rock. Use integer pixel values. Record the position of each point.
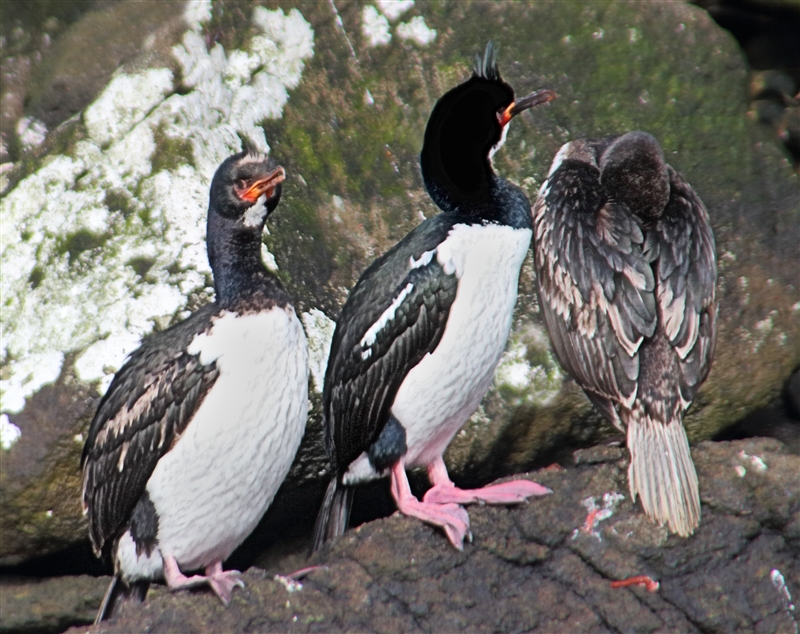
(349, 137)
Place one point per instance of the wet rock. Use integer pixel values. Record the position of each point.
(546, 566)
(106, 219)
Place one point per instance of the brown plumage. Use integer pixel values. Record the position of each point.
(626, 270)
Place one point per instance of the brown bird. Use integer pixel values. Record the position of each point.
(626, 270)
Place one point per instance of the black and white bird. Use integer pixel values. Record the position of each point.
(419, 338)
(626, 271)
(200, 426)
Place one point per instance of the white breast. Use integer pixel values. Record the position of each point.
(445, 388)
(212, 488)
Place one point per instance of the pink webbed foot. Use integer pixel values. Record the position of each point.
(445, 492)
(450, 517)
(222, 582)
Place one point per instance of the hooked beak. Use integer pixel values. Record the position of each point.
(267, 185)
(529, 101)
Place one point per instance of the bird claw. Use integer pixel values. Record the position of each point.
(223, 583)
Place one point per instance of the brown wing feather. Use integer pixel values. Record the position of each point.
(595, 286)
(682, 247)
(143, 413)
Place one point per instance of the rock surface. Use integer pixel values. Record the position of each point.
(98, 249)
(544, 567)
(49, 605)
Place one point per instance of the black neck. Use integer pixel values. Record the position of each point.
(235, 258)
(496, 200)
(457, 175)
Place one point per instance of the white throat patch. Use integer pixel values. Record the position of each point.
(254, 216)
(499, 144)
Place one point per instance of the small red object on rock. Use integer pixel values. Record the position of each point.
(640, 580)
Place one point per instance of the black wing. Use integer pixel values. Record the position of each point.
(595, 286)
(143, 413)
(682, 247)
(395, 315)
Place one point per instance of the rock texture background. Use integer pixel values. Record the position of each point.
(537, 568)
(108, 145)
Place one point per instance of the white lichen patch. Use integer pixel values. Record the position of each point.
(374, 27)
(196, 13)
(97, 247)
(393, 9)
(290, 584)
(762, 329)
(756, 462)
(9, 433)
(417, 31)
(524, 381)
(125, 102)
(319, 332)
(31, 132)
(779, 583)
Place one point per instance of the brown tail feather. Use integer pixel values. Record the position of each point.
(662, 472)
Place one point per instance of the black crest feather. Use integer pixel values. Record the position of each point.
(487, 67)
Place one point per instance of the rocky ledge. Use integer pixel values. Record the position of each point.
(544, 567)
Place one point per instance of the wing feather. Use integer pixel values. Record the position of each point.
(596, 289)
(380, 336)
(682, 244)
(145, 410)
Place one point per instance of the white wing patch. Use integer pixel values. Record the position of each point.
(369, 337)
(424, 259)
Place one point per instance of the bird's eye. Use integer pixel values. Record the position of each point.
(241, 183)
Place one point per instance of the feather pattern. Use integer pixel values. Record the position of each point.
(143, 413)
(595, 286)
(626, 270)
(374, 348)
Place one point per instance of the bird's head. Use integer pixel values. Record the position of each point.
(467, 126)
(246, 189)
(634, 173)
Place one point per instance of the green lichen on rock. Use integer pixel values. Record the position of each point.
(348, 128)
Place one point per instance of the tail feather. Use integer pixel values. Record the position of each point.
(662, 472)
(118, 591)
(334, 514)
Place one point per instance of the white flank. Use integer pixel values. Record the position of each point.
(134, 566)
(212, 488)
(445, 388)
(662, 472)
(369, 337)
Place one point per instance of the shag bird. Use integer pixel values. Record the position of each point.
(626, 270)
(199, 427)
(419, 338)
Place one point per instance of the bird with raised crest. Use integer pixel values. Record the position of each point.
(626, 271)
(199, 427)
(419, 338)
